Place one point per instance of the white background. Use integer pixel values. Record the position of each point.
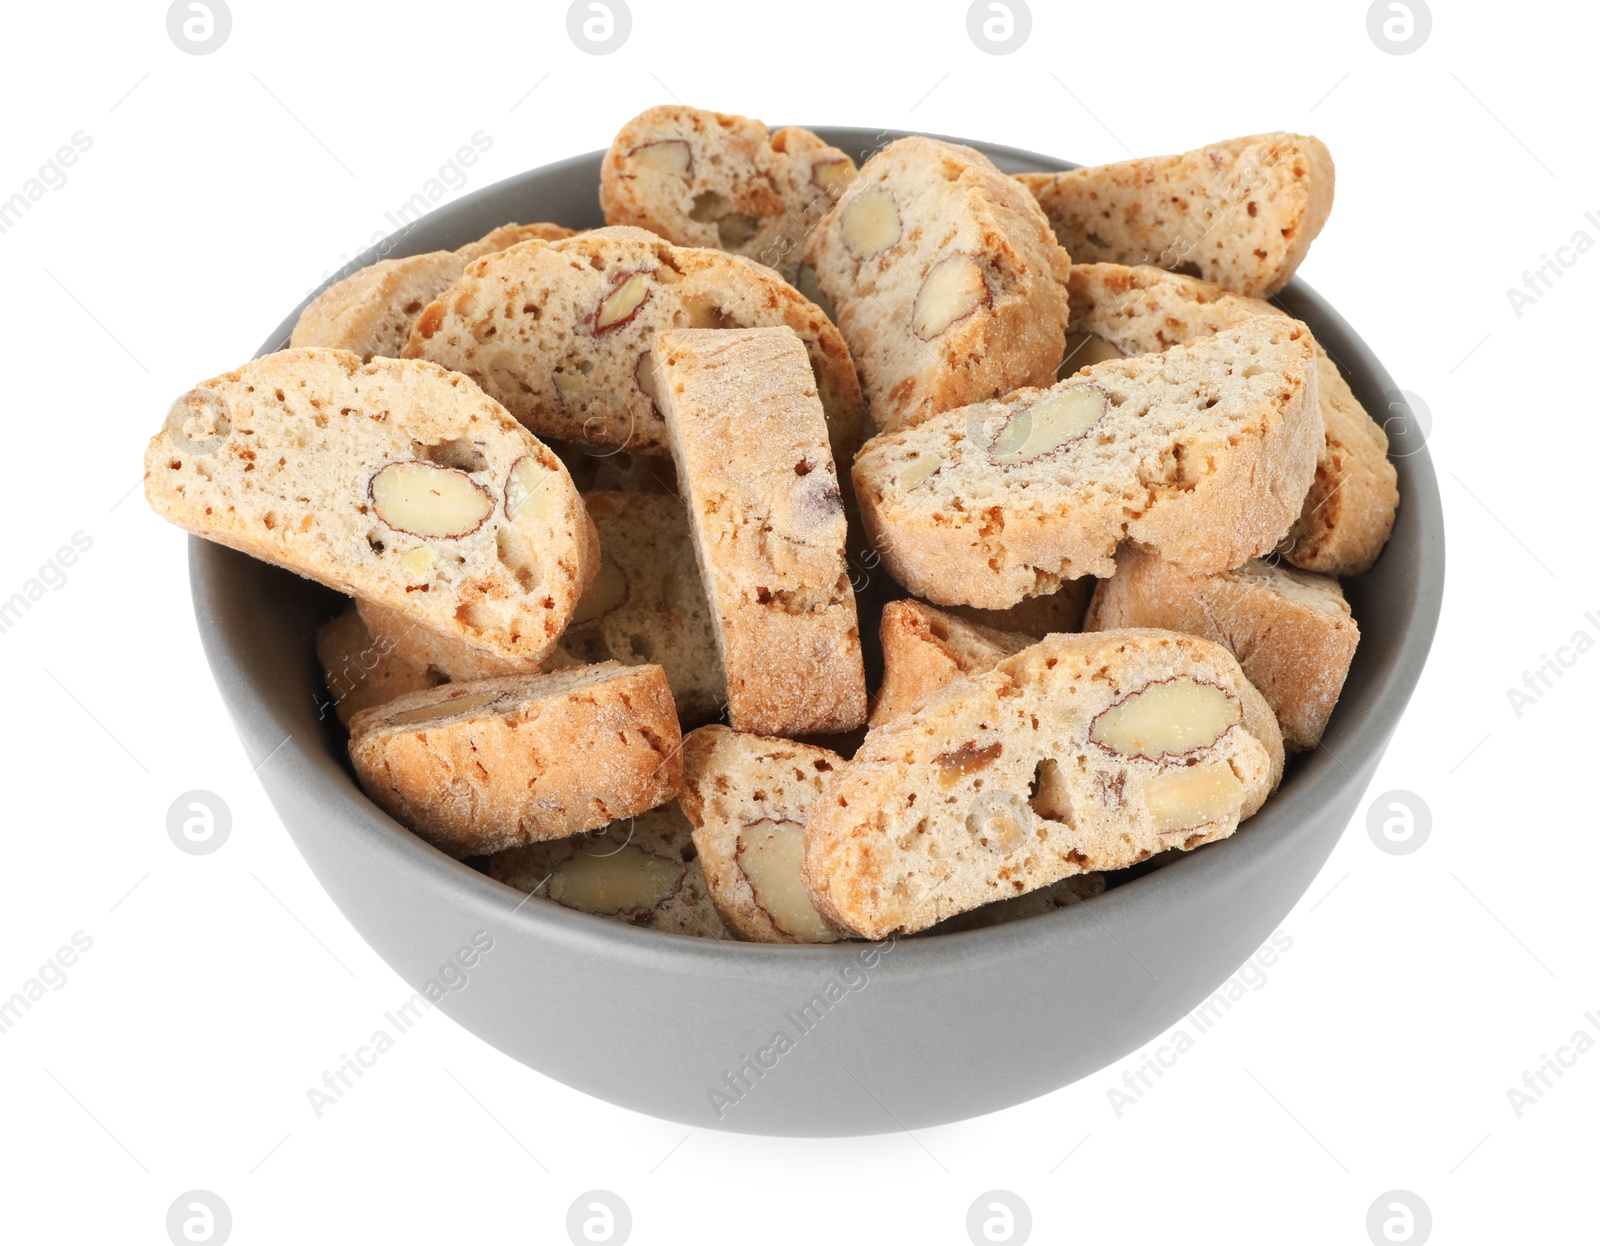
(220, 188)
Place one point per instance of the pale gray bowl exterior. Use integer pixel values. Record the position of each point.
(924, 1032)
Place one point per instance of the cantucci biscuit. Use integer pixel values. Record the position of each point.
(1349, 510)
(361, 671)
(1203, 452)
(508, 235)
(642, 870)
(371, 311)
(751, 448)
(707, 179)
(924, 649)
(1242, 213)
(561, 332)
(1081, 753)
(945, 279)
(481, 766)
(395, 482)
(1292, 632)
(749, 797)
(445, 657)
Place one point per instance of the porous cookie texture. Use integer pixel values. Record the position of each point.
(945, 279)
(1292, 632)
(1241, 213)
(1081, 753)
(481, 766)
(708, 179)
(361, 671)
(1203, 452)
(1349, 510)
(1063, 893)
(924, 649)
(508, 235)
(749, 798)
(371, 311)
(395, 482)
(647, 604)
(561, 332)
(751, 448)
(443, 656)
(641, 870)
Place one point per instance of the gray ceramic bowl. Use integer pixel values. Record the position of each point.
(874, 1038)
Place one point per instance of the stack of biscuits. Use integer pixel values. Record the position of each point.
(612, 507)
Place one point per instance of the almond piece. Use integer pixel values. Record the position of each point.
(529, 489)
(954, 288)
(429, 501)
(1167, 718)
(619, 307)
(1193, 795)
(607, 591)
(1083, 349)
(444, 709)
(870, 222)
(832, 176)
(769, 854)
(644, 376)
(805, 281)
(1059, 417)
(668, 155)
(628, 879)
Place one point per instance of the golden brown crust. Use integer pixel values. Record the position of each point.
(1349, 510)
(951, 202)
(526, 758)
(1292, 632)
(371, 311)
(509, 234)
(992, 786)
(925, 649)
(525, 323)
(751, 448)
(1242, 213)
(361, 671)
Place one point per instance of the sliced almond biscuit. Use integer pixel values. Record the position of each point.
(561, 332)
(1241, 213)
(945, 279)
(708, 179)
(447, 657)
(395, 482)
(768, 521)
(1081, 753)
(924, 649)
(749, 797)
(1203, 452)
(642, 870)
(361, 671)
(481, 766)
(1292, 632)
(1349, 510)
(371, 311)
(509, 234)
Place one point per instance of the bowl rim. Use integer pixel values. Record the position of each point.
(1365, 716)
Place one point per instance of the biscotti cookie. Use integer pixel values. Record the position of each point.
(1349, 510)
(1203, 452)
(945, 279)
(509, 235)
(751, 447)
(707, 179)
(1241, 213)
(642, 870)
(371, 311)
(446, 657)
(395, 482)
(749, 798)
(924, 649)
(1060, 611)
(361, 671)
(1061, 894)
(477, 767)
(647, 603)
(561, 332)
(1081, 753)
(1292, 632)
